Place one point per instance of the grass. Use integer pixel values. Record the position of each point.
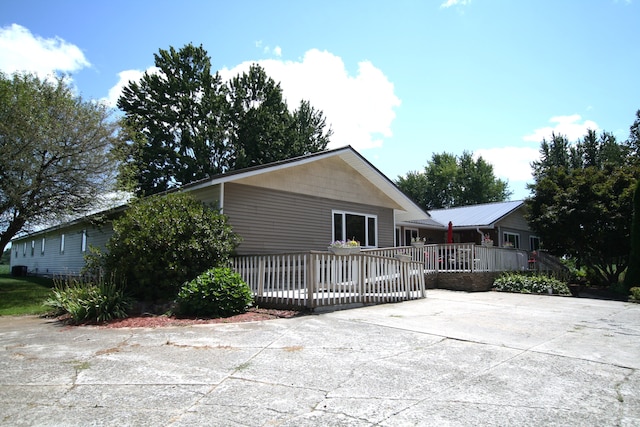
(23, 295)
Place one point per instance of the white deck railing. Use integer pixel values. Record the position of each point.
(460, 257)
(314, 279)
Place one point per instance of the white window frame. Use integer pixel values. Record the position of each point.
(516, 238)
(33, 247)
(62, 243)
(414, 233)
(531, 245)
(83, 241)
(42, 246)
(24, 249)
(366, 217)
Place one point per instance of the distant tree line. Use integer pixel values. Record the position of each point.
(449, 181)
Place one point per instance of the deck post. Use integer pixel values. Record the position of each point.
(310, 279)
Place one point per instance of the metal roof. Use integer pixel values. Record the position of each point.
(483, 215)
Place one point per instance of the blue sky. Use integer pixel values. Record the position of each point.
(398, 80)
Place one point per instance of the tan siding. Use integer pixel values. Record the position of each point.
(515, 221)
(330, 178)
(272, 221)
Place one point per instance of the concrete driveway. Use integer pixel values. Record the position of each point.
(451, 359)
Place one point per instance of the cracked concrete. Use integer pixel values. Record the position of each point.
(452, 359)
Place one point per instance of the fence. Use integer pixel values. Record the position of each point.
(460, 257)
(316, 279)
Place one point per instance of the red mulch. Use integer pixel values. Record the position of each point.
(151, 321)
(251, 315)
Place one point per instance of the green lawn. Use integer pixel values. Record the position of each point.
(22, 295)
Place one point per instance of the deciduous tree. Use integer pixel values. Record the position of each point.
(54, 152)
(581, 203)
(449, 181)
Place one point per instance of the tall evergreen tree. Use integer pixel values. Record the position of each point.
(175, 122)
(183, 123)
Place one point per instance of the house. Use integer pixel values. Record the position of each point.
(501, 224)
(298, 204)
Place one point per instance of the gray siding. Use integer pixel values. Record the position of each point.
(271, 221)
(53, 261)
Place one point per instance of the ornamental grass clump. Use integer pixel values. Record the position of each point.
(89, 301)
(530, 284)
(218, 292)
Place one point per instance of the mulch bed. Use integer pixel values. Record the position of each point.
(151, 321)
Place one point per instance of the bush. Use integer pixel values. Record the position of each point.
(530, 284)
(635, 294)
(219, 292)
(162, 242)
(87, 301)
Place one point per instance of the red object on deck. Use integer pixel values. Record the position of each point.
(450, 233)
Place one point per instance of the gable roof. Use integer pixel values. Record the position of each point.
(407, 209)
(482, 215)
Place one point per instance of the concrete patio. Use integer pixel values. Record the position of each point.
(451, 359)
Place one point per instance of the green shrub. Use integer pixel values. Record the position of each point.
(162, 242)
(530, 284)
(635, 294)
(87, 301)
(218, 292)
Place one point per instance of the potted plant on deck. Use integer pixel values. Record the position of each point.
(344, 247)
(417, 241)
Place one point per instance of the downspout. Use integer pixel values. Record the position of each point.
(221, 202)
(481, 234)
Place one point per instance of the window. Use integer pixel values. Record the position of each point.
(24, 249)
(409, 234)
(33, 247)
(511, 240)
(534, 243)
(83, 244)
(360, 227)
(42, 247)
(62, 243)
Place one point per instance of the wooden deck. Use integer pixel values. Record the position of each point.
(319, 279)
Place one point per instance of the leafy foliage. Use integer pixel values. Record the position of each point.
(163, 241)
(218, 292)
(632, 276)
(530, 284)
(581, 203)
(449, 181)
(54, 152)
(88, 301)
(635, 294)
(184, 124)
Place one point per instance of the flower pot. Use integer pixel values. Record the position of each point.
(344, 251)
(417, 244)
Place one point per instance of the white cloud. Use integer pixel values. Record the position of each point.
(124, 77)
(449, 3)
(510, 163)
(277, 51)
(22, 51)
(570, 126)
(359, 108)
